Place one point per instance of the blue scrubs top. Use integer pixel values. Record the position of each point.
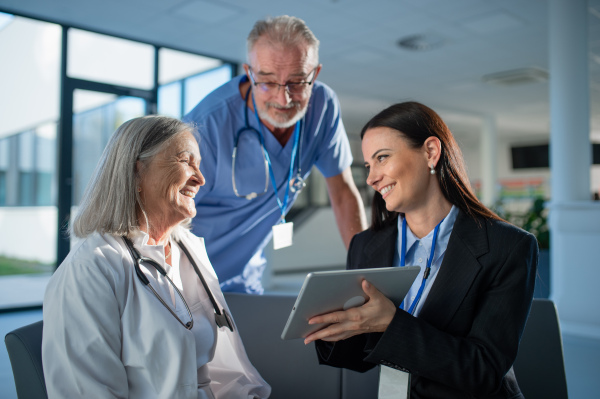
(236, 229)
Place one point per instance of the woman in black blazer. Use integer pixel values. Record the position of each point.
(465, 335)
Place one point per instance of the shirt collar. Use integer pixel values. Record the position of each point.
(140, 239)
(443, 234)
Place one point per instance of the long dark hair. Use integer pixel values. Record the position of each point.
(416, 122)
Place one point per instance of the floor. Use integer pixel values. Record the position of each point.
(582, 355)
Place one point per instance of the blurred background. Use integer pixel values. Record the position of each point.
(503, 74)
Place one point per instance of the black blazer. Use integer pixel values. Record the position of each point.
(466, 337)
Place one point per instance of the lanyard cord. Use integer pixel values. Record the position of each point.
(427, 267)
(282, 206)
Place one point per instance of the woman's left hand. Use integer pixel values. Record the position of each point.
(374, 316)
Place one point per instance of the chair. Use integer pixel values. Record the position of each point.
(24, 347)
(540, 367)
(292, 369)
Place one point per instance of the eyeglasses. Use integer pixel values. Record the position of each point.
(293, 88)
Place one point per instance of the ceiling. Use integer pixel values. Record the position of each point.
(361, 59)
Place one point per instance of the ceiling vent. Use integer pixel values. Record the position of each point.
(420, 42)
(517, 77)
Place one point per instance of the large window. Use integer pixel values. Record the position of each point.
(96, 117)
(108, 81)
(108, 59)
(29, 111)
(185, 79)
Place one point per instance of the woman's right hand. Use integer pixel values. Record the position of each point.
(374, 316)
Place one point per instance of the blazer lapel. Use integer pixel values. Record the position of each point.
(380, 248)
(459, 269)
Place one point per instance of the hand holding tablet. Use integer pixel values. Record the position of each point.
(326, 292)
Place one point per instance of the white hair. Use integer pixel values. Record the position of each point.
(109, 201)
(283, 30)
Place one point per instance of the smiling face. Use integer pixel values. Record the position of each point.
(396, 170)
(278, 64)
(170, 181)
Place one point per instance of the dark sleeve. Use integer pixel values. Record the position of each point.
(348, 353)
(477, 360)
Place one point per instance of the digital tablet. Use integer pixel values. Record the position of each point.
(325, 292)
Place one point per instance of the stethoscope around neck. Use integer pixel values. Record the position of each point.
(221, 317)
(296, 184)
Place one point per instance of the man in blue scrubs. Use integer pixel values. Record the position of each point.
(281, 122)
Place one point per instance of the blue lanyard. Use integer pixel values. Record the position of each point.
(427, 267)
(286, 197)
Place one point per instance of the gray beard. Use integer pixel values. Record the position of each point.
(282, 125)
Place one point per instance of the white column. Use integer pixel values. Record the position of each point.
(489, 161)
(574, 218)
(570, 148)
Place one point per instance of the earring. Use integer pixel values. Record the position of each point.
(432, 170)
(139, 189)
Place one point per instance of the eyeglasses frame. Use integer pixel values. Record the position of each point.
(304, 84)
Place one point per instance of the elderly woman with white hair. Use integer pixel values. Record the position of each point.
(135, 310)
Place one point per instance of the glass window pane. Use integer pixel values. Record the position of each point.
(45, 182)
(4, 154)
(84, 100)
(169, 100)
(98, 117)
(11, 182)
(110, 60)
(26, 151)
(175, 65)
(2, 187)
(197, 87)
(29, 97)
(46, 147)
(29, 74)
(26, 184)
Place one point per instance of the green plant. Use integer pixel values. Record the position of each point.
(534, 220)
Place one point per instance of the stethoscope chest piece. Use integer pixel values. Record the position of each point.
(223, 320)
(297, 184)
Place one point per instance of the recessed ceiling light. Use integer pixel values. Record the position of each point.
(420, 42)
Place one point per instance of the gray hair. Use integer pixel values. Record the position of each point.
(283, 30)
(109, 202)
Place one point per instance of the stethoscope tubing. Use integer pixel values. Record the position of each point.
(249, 128)
(221, 317)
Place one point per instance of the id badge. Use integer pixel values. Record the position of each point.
(393, 384)
(282, 235)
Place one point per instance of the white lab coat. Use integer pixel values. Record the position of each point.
(107, 336)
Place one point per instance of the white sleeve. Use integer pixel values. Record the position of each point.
(81, 344)
(232, 375)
